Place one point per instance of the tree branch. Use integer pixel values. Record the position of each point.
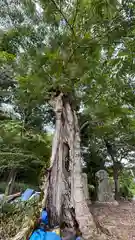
(84, 125)
(63, 15)
(76, 11)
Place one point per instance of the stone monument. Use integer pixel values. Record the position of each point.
(105, 192)
(85, 185)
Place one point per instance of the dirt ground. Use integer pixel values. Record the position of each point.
(117, 221)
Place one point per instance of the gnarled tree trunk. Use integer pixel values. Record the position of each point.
(66, 199)
(63, 185)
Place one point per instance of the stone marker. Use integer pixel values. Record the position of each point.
(105, 192)
(85, 184)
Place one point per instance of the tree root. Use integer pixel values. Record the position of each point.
(100, 228)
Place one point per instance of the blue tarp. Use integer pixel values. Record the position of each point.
(44, 217)
(40, 234)
(27, 194)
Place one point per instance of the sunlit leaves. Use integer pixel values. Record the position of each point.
(6, 57)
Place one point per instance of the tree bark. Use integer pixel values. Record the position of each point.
(66, 200)
(112, 153)
(11, 182)
(116, 180)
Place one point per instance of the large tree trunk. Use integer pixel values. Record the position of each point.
(66, 199)
(63, 187)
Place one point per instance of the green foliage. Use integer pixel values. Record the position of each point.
(6, 57)
(27, 152)
(127, 185)
(12, 217)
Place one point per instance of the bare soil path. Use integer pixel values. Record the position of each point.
(118, 220)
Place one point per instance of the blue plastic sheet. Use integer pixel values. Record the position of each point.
(27, 194)
(44, 217)
(78, 238)
(40, 234)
